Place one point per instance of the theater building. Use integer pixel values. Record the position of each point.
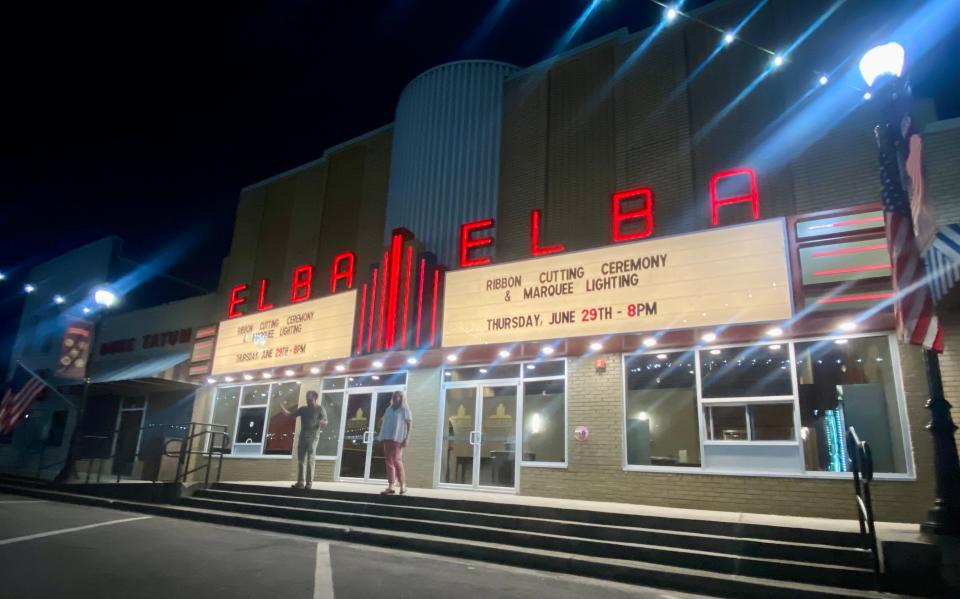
(608, 276)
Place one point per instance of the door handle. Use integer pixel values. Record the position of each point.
(471, 441)
(367, 437)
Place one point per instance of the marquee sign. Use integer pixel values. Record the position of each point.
(732, 275)
(301, 333)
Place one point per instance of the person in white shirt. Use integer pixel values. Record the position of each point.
(394, 432)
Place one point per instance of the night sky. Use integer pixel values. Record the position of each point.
(144, 119)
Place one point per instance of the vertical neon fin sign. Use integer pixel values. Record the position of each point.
(401, 309)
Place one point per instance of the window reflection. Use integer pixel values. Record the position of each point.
(849, 384)
(752, 371)
(544, 421)
(661, 419)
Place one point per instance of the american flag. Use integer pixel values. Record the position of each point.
(916, 318)
(24, 389)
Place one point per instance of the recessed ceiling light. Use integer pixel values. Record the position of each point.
(377, 364)
(649, 341)
(211, 380)
(531, 366)
(412, 361)
(267, 375)
(715, 352)
(483, 371)
(596, 346)
(339, 367)
(376, 377)
(547, 350)
(774, 347)
(661, 356)
(840, 341)
(289, 372)
(504, 353)
(315, 370)
(847, 326)
(774, 332)
(709, 337)
(248, 377)
(452, 357)
(228, 379)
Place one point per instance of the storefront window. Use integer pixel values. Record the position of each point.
(280, 425)
(255, 422)
(662, 428)
(768, 421)
(330, 435)
(544, 421)
(225, 411)
(751, 371)
(479, 373)
(843, 383)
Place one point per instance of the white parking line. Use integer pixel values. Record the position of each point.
(323, 577)
(41, 535)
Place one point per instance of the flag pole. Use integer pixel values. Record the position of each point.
(890, 131)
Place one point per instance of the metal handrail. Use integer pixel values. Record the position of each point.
(861, 462)
(210, 434)
(99, 461)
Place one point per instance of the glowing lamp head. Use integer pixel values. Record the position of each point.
(824, 79)
(728, 39)
(105, 297)
(649, 342)
(211, 381)
(778, 61)
(847, 326)
(504, 354)
(882, 60)
(289, 372)
(412, 361)
(596, 346)
(547, 350)
(339, 368)
(774, 331)
(87, 310)
(451, 358)
(28, 288)
(315, 370)
(671, 14)
(59, 299)
(709, 337)
(377, 364)
(867, 96)
(3, 277)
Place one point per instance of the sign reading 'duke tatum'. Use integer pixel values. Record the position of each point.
(306, 332)
(722, 276)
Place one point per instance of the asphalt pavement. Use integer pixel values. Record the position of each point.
(52, 550)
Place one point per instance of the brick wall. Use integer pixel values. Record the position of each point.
(595, 468)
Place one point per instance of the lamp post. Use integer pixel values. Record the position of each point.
(881, 69)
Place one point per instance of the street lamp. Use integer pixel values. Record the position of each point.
(881, 69)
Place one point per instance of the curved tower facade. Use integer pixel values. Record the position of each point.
(446, 151)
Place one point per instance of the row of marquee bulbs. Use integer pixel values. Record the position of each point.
(546, 350)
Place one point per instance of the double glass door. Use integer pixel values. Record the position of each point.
(361, 455)
(478, 447)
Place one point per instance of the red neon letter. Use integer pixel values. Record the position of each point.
(336, 274)
(618, 215)
(751, 196)
(262, 302)
(535, 237)
(236, 300)
(467, 242)
(302, 283)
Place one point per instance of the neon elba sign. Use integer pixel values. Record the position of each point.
(398, 304)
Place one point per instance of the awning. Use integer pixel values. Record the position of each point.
(943, 261)
(167, 367)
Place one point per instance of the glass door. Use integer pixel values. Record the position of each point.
(459, 430)
(496, 442)
(361, 456)
(478, 441)
(356, 432)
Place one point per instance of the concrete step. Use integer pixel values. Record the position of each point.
(724, 563)
(829, 538)
(745, 547)
(628, 571)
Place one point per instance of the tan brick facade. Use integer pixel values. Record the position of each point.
(596, 472)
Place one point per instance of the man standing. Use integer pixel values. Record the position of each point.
(312, 419)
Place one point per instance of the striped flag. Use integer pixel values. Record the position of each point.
(24, 389)
(913, 310)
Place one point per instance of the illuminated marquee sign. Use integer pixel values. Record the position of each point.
(304, 332)
(732, 275)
